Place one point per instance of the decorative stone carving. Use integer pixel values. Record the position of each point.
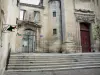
(83, 15)
(83, 11)
(98, 20)
(32, 5)
(85, 18)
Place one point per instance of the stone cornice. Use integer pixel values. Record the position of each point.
(54, 0)
(80, 17)
(25, 23)
(32, 5)
(84, 11)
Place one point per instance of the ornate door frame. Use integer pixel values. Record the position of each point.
(86, 16)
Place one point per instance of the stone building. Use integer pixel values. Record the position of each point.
(53, 26)
(58, 26)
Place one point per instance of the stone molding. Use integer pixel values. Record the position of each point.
(27, 23)
(83, 15)
(98, 20)
(32, 5)
(84, 11)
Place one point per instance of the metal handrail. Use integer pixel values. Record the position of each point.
(7, 60)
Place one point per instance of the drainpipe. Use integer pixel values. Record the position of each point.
(61, 22)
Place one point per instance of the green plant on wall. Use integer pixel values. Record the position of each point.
(97, 33)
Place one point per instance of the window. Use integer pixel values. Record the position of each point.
(22, 12)
(98, 2)
(93, 1)
(54, 31)
(54, 14)
(85, 0)
(16, 20)
(17, 2)
(36, 16)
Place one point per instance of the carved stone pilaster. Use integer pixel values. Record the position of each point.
(98, 20)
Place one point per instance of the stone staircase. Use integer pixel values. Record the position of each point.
(23, 64)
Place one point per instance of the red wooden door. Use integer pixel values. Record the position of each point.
(85, 38)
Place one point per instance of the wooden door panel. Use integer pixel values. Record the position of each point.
(85, 41)
(85, 37)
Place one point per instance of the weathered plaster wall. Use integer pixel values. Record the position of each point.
(3, 39)
(54, 23)
(13, 14)
(9, 17)
(30, 11)
(83, 4)
(69, 25)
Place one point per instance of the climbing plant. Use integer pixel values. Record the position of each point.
(97, 33)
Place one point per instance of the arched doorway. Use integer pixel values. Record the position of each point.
(85, 36)
(28, 41)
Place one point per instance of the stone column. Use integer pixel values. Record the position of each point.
(79, 37)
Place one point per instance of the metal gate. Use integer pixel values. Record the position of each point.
(29, 41)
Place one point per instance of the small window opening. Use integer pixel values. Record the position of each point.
(18, 2)
(54, 14)
(54, 31)
(97, 2)
(36, 16)
(22, 14)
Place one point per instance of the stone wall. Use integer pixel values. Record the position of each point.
(68, 31)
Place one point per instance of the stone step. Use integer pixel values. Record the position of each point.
(50, 62)
(57, 65)
(51, 56)
(52, 69)
(56, 54)
(47, 57)
(32, 62)
(41, 59)
(28, 57)
(19, 62)
(61, 71)
(48, 67)
(61, 63)
(50, 59)
(54, 57)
